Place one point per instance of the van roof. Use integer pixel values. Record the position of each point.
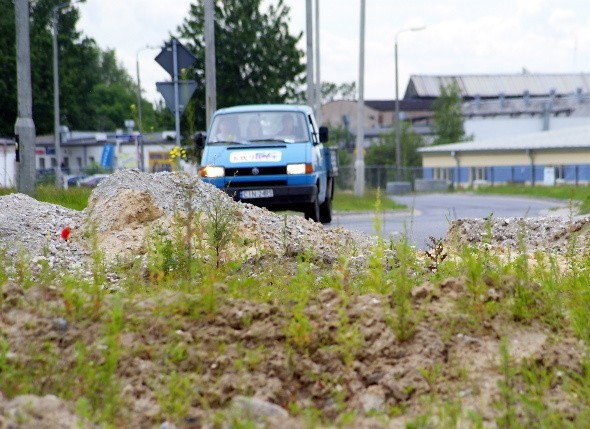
(266, 107)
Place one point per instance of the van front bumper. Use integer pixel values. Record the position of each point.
(283, 197)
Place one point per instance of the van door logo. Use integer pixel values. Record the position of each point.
(255, 171)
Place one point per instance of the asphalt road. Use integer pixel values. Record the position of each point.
(431, 214)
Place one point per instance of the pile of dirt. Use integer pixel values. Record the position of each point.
(126, 206)
(549, 233)
(345, 351)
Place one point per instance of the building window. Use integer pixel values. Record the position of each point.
(91, 160)
(53, 162)
(442, 173)
(79, 162)
(559, 172)
(41, 163)
(479, 173)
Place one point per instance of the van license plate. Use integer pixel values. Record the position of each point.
(256, 193)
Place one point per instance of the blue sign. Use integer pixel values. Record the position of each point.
(108, 152)
(50, 150)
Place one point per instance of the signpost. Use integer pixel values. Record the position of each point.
(174, 57)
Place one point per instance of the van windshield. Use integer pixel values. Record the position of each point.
(256, 127)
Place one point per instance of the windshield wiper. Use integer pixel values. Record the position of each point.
(227, 142)
(269, 140)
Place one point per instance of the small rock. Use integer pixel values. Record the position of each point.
(372, 399)
(257, 409)
(375, 377)
(60, 324)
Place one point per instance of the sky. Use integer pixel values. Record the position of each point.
(461, 37)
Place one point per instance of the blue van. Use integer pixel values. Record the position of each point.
(271, 156)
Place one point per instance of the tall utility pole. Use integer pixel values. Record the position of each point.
(398, 145)
(359, 164)
(309, 54)
(139, 101)
(24, 127)
(210, 71)
(318, 81)
(140, 107)
(56, 127)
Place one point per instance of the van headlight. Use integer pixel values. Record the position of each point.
(212, 171)
(299, 168)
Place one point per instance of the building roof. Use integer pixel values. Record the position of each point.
(568, 138)
(404, 105)
(491, 86)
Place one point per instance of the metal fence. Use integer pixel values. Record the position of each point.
(378, 176)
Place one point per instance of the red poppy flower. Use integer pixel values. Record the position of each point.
(65, 233)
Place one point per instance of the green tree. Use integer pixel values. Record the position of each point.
(332, 91)
(448, 116)
(8, 104)
(95, 91)
(383, 152)
(257, 58)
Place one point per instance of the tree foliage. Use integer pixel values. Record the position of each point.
(257, 59)
(448, 116)
(331, 91)
(96, 92)
(384, 151)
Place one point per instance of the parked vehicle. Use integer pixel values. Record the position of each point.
(93, 180)
(75, 180)
(271, 156)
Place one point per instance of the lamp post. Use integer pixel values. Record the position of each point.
(56, 130)
(139, 102)
(359, 163)
(398, 149)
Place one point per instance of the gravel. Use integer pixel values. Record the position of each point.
(126, 205)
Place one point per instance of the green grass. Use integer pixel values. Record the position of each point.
(346, 201)
(72, 198)
(562, 192)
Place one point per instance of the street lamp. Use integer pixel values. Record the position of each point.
(139, 105)
(398, 149)
(56, 130)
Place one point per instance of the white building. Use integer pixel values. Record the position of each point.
(82, 150)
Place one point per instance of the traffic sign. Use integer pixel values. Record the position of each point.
(184, 59)
(173, 58)
(186, 88)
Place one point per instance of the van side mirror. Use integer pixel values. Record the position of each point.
(200, 140)
(323, 134)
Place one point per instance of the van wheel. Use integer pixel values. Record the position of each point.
(326, 206)
(312, 211)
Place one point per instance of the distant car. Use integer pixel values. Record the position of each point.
(75, 180)
(92, 181)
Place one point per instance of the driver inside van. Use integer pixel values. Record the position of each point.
(289, 129)
(224, 131)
